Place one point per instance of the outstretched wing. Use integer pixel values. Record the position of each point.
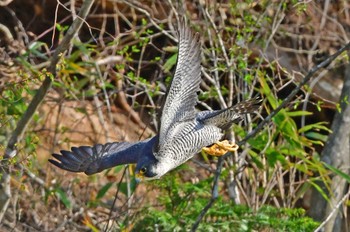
(100, 157)
(182, 96)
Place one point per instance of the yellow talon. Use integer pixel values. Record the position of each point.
(220, 148)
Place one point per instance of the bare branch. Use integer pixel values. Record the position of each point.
(334, 211)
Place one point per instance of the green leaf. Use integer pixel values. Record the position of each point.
(169, 64)
(298, 113)
(320, 190)
(124, 187)
(317, 136)
(63, 197)
(338, 172)
(103, 190)
(315, 126)
(135, 49)
(286, 126)
(118, 169)
(274, 156)
(318, 105)
(267, 91)
(256, 159)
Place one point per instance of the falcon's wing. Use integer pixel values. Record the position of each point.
(100, 157)
(182, 95)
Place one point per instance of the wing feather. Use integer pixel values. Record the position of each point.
(182, 95)
(100, 157)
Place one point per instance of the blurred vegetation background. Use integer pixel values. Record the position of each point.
(110, 83)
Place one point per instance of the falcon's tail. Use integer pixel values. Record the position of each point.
(224, 118)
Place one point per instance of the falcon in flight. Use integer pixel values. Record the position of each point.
(183, 131)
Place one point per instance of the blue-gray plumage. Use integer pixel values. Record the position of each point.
(183, 132)
(97, 158)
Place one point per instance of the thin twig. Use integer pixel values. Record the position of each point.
(214, 195)
(215, 60)
(115, 198)
(335, 210)
(134, 4)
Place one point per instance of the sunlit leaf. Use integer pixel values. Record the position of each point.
(315, 126)
(298, 113)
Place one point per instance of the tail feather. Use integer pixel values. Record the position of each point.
(246, 107)
(224, 118)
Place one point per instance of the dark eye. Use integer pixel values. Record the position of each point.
(143, 170)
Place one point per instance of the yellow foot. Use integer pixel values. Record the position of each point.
(220, 148)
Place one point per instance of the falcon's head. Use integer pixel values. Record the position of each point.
(149, 168)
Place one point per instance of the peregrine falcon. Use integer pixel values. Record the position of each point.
(183, 131)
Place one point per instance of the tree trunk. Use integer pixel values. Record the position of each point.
(336, 153)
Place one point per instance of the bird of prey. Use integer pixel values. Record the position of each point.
(183, 131)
